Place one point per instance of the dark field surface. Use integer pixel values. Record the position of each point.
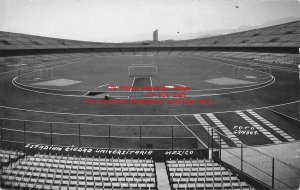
(291, 127)
(171, 70)
(291, 110)
(281, 91)
(22, 104)
(232, 119)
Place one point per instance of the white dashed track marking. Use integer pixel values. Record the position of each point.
(206, 126)
(272, 126)
(260, 128)
(223, 128)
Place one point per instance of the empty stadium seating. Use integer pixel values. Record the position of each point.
(10, 40)
(38, 61)
(276, 58)
(279, 35)
(44, 171)
(283, 35)
(8, 156)
(201, 174)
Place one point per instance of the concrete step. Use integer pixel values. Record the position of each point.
(162, 177)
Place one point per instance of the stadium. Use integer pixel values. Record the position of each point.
(218, 112)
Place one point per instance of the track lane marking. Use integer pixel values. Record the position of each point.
(271, 125)
(264, 131)
(265, 107)
(206, 126)
(86, 93)
(225, 129)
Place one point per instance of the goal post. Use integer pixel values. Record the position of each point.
(142, 71)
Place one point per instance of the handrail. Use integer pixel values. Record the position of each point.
(142, 137)
(96, 136)
(259, 170)
(251, 147)
(102, 124)
(293, 170)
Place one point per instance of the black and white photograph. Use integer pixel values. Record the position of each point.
(149, 94)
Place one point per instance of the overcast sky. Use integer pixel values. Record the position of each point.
(122, 20)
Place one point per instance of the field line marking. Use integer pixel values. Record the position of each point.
(151, 84)
(270, 106)
(190, 131)
(120, 97)
(132, 83)
(62, 113)
(217, 94)
(282, 114)
(234, 92)
(143, 65)
(13, 82)
(86, 93)
(180, 85)
(140, 64)
(156, 67)
(102, 85)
